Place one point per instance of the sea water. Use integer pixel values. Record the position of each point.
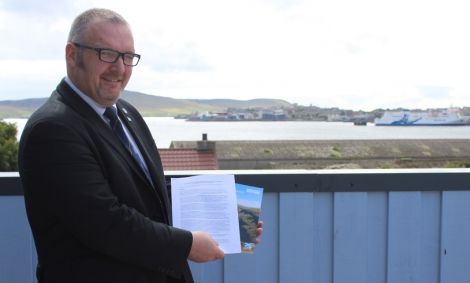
(167, 129)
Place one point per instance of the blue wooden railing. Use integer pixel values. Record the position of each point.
(320, 226)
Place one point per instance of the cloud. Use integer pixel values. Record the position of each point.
(362, 54)
(32, 35)
(434, 91)
(20, 79)
(36, 9)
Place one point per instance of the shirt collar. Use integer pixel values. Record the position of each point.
(93, 104)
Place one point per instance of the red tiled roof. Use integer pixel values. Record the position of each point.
(188, 159)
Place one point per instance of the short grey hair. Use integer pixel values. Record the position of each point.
(82, 21)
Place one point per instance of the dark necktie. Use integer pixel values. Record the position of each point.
(116, 126)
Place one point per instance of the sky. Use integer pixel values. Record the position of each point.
(249, 196)
(359, 55)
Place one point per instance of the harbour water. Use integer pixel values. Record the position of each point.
(167, 129)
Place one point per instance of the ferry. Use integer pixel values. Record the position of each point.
(447, 117)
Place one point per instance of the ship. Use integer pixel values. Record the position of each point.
(445, 117)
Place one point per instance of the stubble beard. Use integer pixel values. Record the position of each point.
(101, 94)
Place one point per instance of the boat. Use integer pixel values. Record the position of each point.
(445, 117)
(360, 122)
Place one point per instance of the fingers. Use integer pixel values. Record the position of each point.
(259, 231)
(204, 248)
(219, 254)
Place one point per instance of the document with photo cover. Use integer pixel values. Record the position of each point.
(208, 203)
(249, 209)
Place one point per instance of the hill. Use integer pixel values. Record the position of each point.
(19, 108)
(151, 105)
(148, 105)
(253, 103)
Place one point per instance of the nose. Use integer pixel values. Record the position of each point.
(119, 64)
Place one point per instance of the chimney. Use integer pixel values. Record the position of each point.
(205, 145)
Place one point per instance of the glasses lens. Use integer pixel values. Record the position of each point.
(109, 56)
(131, 59)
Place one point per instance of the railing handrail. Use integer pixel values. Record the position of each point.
(341, 180)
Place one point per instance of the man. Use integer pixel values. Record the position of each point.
(94, 186)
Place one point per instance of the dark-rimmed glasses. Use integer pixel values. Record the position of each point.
(111, 56)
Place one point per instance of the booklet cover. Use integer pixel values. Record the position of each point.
(249, 209)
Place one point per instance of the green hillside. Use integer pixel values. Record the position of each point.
(160, 106)
(148, 105)
(15, 112)
(252, 103)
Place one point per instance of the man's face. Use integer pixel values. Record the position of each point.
(101, 81)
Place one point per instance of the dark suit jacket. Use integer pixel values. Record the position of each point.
(94, 215)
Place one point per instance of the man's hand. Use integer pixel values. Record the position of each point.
(259, 231)
(204, 248)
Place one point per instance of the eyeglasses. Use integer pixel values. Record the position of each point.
(111, 56)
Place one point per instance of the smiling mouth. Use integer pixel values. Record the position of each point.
(112, 80)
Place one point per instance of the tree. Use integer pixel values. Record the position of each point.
(8, 147)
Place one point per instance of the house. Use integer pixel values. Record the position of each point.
(200, 157)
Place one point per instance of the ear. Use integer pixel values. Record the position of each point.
(70, 54)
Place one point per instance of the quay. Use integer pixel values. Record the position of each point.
(335, 154)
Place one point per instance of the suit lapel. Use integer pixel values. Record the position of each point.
(69, 97)
(128, 122)
(158, 179)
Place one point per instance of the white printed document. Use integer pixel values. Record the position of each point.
(208, 203)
